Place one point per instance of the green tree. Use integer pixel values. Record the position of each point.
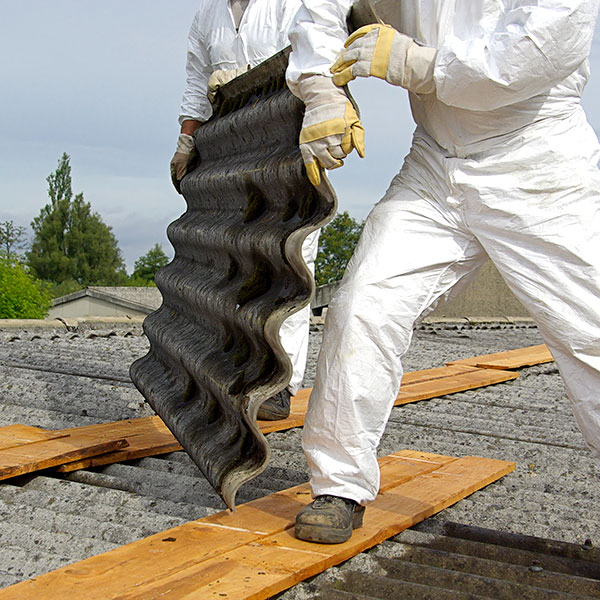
(12, 239)
(145, 267)
(21, 295)
(336, 245)
(70, 242)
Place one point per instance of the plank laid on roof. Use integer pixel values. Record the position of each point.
(44, 454)
(252, 553)
(19, 435)
(147, 436)
(423, 385)
(511, 359)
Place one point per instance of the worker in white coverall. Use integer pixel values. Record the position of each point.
(227, 37)
(503, 161)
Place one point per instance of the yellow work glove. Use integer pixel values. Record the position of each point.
(184, 160)
(381, 51)
(331, 127)
(219, 78)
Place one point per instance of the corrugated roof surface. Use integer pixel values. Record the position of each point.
(58, 378)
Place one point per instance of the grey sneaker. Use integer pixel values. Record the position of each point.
(329, 520)
(275, 408)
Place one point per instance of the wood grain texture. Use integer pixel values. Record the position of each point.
(19, 435)
(252, 553)
(50, 453)
(511, 359)
(149, 436)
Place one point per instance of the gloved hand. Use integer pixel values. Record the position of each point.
(219, 78)
(331, 127)
(184, 160)
(383, 52)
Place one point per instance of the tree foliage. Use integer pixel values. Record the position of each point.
(21, 295)
(12, 239)
(70, 241)
(145, 267)
(336, 245)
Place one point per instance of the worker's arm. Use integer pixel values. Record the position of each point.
(317, 37)
(331, 128)
(532, 46)
(195, 106)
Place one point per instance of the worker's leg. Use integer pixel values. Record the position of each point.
(412, 251)
(295, 329)
(544, 237)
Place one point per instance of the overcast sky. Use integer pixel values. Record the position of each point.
(102, 81)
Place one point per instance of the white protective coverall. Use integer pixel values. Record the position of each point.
(503, 161)
(214, 43)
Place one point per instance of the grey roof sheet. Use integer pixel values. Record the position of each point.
(58, 378)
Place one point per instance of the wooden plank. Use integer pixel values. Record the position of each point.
(50, 453)
(271, 564)
(511, 359)
(252, 552)
(458, 382)
(147, 436)
(19, 435)
(416, 386)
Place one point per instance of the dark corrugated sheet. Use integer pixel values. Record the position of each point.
(237, 274)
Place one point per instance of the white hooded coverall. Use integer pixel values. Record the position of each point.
(503, 161)
(215, 43)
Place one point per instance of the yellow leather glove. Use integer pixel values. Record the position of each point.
(381, 51)
(220, 77)
(184, 160)
(331, 127)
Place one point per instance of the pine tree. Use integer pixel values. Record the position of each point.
(70, 242)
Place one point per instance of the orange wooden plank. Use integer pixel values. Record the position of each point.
(460, 382)
(510, 359)
(19, 435)
(147, 436)
(252, 552)
(50, 453)
(271, 564)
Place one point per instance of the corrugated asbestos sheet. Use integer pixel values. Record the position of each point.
(237, 274)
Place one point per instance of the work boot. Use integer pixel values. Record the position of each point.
(276, 407)
(329, 520)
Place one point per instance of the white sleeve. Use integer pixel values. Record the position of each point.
(317, 36)
(195, 104)
(287, 16)
(532, 47)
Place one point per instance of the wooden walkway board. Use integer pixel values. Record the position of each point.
(452, 379)
(19, 435)
(511, 359)
(147, 436)
(50, 453)
(252, 553)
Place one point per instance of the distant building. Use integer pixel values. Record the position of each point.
(107, 302)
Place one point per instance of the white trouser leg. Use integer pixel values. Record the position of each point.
(410, 254)
(294, 331)
(545, 242)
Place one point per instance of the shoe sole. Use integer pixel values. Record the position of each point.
(328, 535)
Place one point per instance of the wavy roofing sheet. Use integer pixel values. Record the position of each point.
(237, 274)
